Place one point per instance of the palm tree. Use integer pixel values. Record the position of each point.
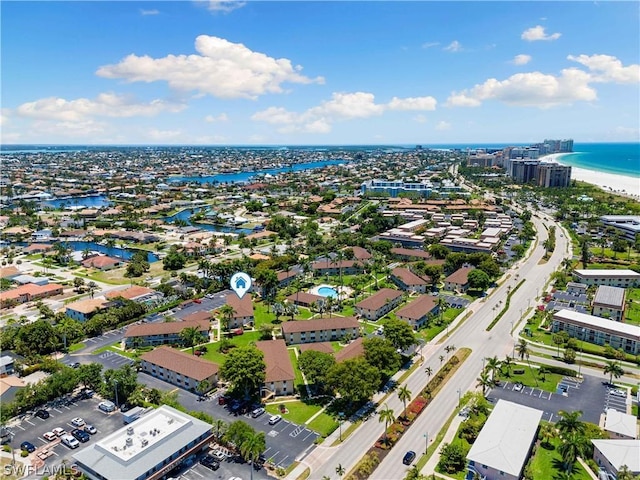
(227, 312)
(252, 446)
(220, 427)
(386, 415)
(92, 287)
(614, 369)
(507, 362)
(340, 470)
(441, 357)
(404, 395)
(522, 347)
(493, 366)
(547, 432)
(190, 337)
(441, 302)
(570, 423)
(484, 381)
(429, 372)
(570, 449)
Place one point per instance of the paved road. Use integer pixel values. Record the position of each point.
(471, 334)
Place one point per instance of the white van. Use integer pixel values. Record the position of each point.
(70, 441)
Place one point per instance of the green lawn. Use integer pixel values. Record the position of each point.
(243, 340)
(76, 346)
(324, 424)
(261, 315)
(547, 463)
(298, 412)
(299, 381)
(529, 378)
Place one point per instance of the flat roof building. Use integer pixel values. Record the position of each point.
(609, 303)
(148, 449)
(505, 441)
(614, 278)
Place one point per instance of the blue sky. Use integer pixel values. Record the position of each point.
(319, 73)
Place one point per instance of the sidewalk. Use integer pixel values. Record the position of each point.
(430, 466)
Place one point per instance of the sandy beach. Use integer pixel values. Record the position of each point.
(610, 182)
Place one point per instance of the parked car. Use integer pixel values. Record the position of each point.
(77, 422)
(49, 436)
(59, 431)
(86, 393)
(107, 406)
(75, 365)
(210, 462)
(409, 457)
(618, 393)
(80, 435)
(90, 429)
(274, 419)
(43, 414)
(518, 387)
(257, 412)
(28, 446)
(70, 441)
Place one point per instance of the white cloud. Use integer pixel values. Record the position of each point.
(454, 46)
(442, 126)
(533, 89)
(607, 68)
(537, 33)
(430, 44)
(412, 103)
(164, 135)
(218, 118)
(222, 69)
(420, 118)
(521, 59)
(341, 106)
(104, 105)
(224, 6)
(144, 12)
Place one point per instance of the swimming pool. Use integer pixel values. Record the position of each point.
(325, 291)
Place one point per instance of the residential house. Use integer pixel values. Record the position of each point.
(102, 262)
(418, 311)
(279, 376)
(332, 267)
(304, 299)
(9, 272)
(599, 331)
(29, 292)
(458, 281)
(408, 281)
(180, 368)
(136, 293)
(503, 446)
(7, 365)
(320, 330)
(164, 333)
(9, 386)
(410, 254)
(83, 310)
(286, 277)
(355, 349)
(612, 455)
(620, 425)
(379, 304)
(609, 302)
(242, 310)
(361, 254)
(613, 278)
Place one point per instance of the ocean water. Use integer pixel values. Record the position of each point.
(617, 158)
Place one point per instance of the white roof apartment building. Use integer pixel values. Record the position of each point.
(147, 449)
(599, 331)
(611, 455)
(613, 278)
(505, 442)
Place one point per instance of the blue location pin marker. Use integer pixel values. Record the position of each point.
(240, 283)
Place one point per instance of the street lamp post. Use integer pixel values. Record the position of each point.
(426, 442)
(582, 330)
(115, 387)
(459, 395)
(340, 418)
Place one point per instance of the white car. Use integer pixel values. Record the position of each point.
(274, 419)
(618, 393)
(49, 436)
(518, 387)
(77, 422)
(59, 431)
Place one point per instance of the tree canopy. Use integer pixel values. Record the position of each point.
(244, 367)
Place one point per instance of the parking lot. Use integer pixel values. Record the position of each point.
(31, 428)
(285, 440)
(590, 396)
(209, 304)
(228, 469)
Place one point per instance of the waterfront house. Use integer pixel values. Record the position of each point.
(102, 262)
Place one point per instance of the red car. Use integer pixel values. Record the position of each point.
(197, 300)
